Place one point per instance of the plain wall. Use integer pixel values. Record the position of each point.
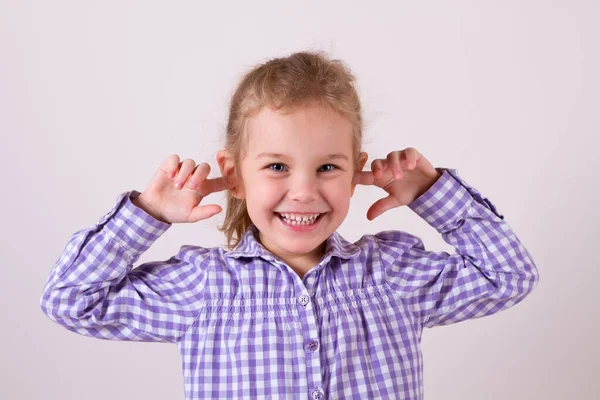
(94, 95)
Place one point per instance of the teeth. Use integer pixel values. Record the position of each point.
(300, 219)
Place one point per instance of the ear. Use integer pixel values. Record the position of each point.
(362, 160)
(231, 174)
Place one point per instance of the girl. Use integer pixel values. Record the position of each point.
(291, 309)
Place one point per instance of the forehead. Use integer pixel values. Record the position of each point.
(307, 130)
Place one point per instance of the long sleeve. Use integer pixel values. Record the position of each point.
(94, 290)
(490, 271)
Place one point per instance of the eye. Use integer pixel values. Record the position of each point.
(276, 170)
(277, 167)
(329, 165)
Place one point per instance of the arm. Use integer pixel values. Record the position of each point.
(490, 271)
(93, 289)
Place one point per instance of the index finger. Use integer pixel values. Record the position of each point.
(363, 178)
(213, 185)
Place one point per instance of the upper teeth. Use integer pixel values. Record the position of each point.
(299, 218)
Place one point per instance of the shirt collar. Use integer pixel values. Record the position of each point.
(249, 246)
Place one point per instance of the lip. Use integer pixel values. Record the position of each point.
(301, 228)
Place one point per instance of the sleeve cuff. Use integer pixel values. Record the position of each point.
(131, 226)
(448, 199)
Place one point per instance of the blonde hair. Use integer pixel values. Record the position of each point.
(282, 84)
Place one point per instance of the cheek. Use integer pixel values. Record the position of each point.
(339, 192)
(264, 191)
(261, 193)
(342, 184)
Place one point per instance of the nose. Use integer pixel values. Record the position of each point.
(303, 188)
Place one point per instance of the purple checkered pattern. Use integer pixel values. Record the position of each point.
(248, 327)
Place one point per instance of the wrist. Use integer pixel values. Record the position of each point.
(433, 178)
(142, 203)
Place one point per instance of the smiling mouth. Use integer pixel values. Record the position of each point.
(295, 222)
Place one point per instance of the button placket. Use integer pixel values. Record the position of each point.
(309, 335)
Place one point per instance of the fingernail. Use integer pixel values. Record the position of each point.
(178, 185)
(191, 184)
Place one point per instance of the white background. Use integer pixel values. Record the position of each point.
(95, 95)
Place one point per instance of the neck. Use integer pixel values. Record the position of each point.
(301, 264)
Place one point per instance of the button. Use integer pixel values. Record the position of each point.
(312, 345)
(318, 394)
(304, 299)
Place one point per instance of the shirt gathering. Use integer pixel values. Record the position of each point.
(247, 326)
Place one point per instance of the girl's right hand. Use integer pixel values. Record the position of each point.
(169, 203)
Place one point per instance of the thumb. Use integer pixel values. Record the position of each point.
(204, 212)
(381, 206)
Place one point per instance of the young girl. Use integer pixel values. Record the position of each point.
(291, 310)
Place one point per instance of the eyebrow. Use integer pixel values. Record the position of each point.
(277, 155)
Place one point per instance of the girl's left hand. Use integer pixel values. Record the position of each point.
(404, 175)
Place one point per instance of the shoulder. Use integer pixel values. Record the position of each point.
(197, 253)
(389, 245)
(391, 239)
(190, 263)
(202, 258)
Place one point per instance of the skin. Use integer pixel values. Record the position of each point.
(304, 179)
